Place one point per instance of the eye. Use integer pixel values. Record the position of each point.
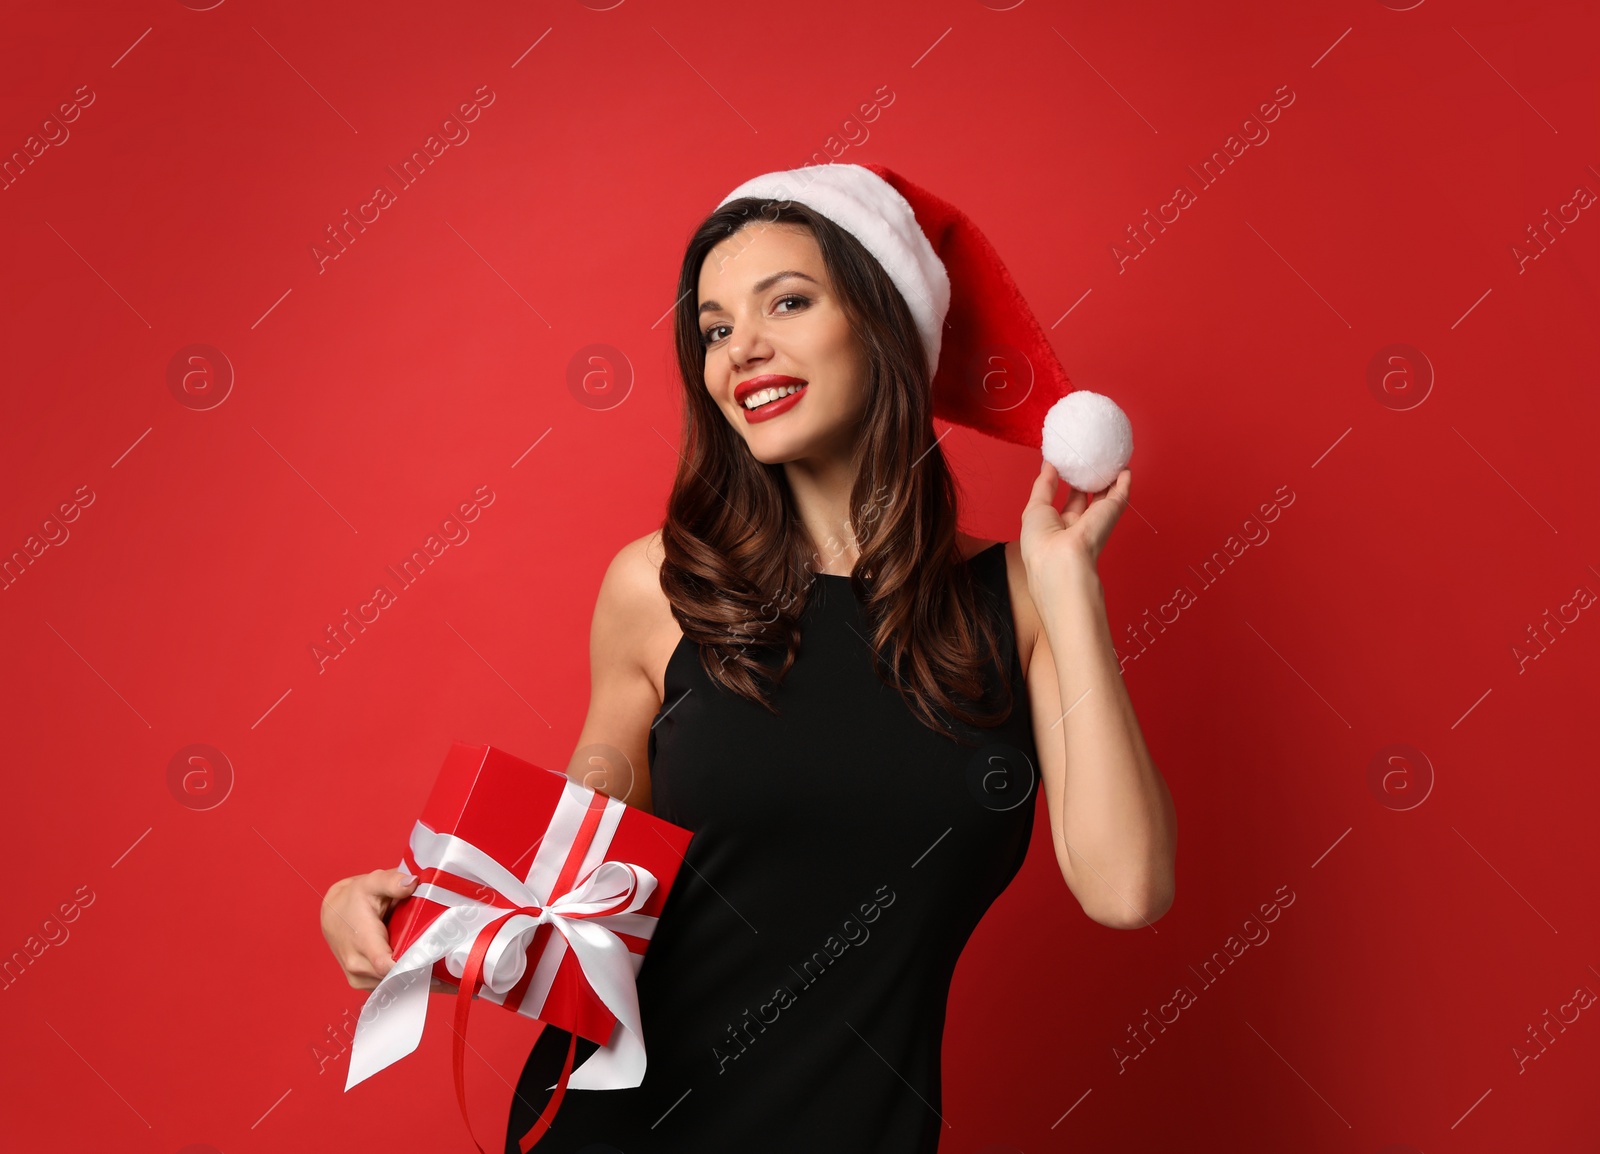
(707, 338)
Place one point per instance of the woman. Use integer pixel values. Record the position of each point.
(845, 697)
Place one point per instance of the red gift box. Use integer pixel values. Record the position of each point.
(536, 893)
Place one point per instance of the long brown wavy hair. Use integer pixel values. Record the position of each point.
(738, 565)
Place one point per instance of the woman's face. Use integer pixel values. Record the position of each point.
(756, 324)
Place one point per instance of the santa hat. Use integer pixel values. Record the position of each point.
(993, 368)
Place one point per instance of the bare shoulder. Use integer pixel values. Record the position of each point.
(633, 604)
(636, 568)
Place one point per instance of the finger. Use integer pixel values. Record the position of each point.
(1116, 500)
(392, 883)
(372, 944)
(358, 970)
(388, 888)
(1040, 516)
(375, 945)
(1111, 486)
(1044, 485)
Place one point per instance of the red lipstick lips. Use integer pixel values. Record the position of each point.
(771, 408)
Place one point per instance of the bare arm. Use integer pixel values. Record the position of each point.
(1111, 813)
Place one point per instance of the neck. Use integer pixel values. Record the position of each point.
(821, 492)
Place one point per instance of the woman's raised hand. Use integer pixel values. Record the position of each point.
(1050, 541)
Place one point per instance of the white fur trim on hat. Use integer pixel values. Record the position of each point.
(867, 207)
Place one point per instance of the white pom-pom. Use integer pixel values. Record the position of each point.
(1088, 439)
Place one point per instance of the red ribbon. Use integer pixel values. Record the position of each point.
(471, 982)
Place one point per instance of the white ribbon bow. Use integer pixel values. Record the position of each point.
(393, 1016)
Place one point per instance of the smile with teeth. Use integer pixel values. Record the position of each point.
(756, 400)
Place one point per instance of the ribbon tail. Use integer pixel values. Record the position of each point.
(392, 1030)
(394, 1014)
(606, 962)
(618, 1065)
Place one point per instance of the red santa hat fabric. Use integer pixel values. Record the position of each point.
(992, 366)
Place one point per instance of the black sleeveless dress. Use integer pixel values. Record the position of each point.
(793, 995)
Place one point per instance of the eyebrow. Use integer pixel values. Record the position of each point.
(762, 286)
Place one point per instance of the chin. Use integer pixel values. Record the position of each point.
(795, 443)
(774, 456)
(778, 450)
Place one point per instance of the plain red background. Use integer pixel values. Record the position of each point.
(1385, 605)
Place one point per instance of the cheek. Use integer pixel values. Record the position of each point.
(715, 376)
(853, 372)
(841, 358)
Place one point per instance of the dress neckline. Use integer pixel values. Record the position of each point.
(966, 561)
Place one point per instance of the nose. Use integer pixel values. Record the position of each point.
(747, 344)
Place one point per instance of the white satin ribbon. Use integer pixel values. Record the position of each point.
(392, 1019)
